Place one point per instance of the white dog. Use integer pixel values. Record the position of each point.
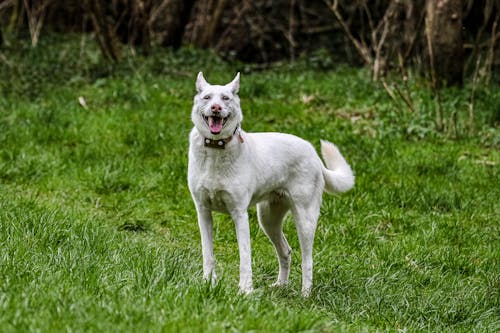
(230, 170)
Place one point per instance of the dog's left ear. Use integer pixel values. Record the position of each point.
(235, 84)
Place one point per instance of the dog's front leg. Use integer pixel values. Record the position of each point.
(205, 223)
(243, 236)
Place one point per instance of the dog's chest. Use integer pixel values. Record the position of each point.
(214, 183)
(215, 194)
(217, 200)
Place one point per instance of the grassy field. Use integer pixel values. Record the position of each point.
(98, 232)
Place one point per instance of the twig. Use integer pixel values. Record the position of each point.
(106, 35)
(362, 50)
(487, 43)
(214, 23)
(391, 94)
(291, 30)
(6, 61)
(36, 17)
(404, 76)
(318, 30)
(414, 36)
(155, 12)
(471, 101)
(405, 98)
(370, 21)
(440, 117)
(454, 123)
(378, 50)
(230, 26)
(491, 51)
(487, 11)
(6, 3)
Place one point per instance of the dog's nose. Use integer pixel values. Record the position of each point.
(216, 108)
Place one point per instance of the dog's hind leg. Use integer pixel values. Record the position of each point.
(271, 214)
(306, 218)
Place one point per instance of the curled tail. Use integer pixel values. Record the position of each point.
(337, 174)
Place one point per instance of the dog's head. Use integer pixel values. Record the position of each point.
(216, 109)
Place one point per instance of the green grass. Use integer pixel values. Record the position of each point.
(98, 232)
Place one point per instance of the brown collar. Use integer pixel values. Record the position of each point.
(221, 143)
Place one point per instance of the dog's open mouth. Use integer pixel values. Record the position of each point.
(215, 123)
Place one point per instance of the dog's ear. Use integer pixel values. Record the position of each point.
(201, 83)
(235, 84)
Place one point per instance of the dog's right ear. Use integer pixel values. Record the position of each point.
(235, 84)
(201, 83)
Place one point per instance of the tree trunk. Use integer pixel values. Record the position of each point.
(178, 20)
(444, 41)
(207, 36)
(104, 29)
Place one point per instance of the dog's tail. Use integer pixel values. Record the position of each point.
(338, 174)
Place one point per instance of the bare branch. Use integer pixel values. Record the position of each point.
(363, 51)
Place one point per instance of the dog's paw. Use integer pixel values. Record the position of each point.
(306, 292)
(279, 284)
(210, 278)
(246, 290)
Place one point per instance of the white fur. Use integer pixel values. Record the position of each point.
(278, 172)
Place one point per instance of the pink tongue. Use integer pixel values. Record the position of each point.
(215, 124)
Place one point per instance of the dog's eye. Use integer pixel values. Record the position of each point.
(206, 97)
(225, 98)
